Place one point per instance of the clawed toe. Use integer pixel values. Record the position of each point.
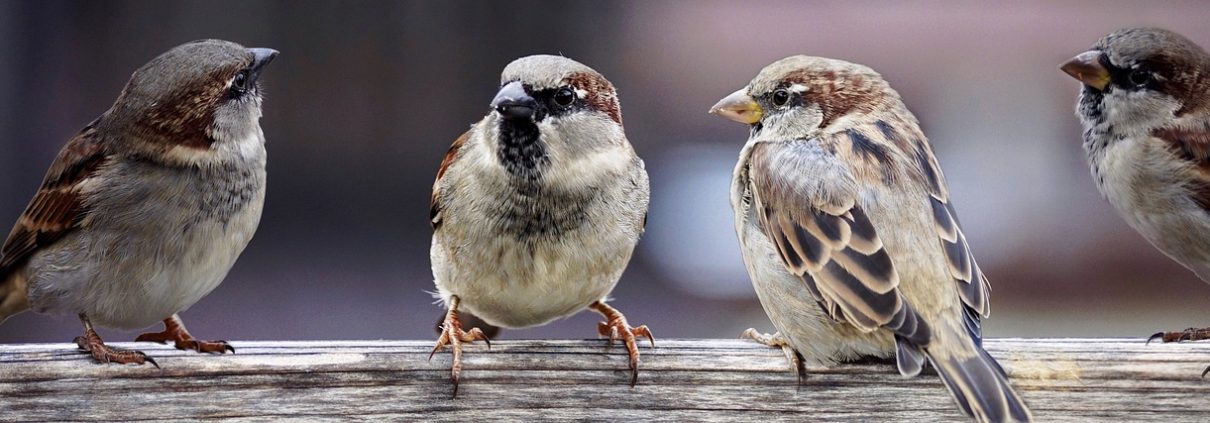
(776, 340)
(1190, 334)
(615, 327)
(105, 354)
(453, 336)
(174, 331)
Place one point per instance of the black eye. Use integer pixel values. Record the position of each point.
(781, 97)
(240, 82)
(564, 97)
(1140, 77)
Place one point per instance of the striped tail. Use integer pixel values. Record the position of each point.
(980, 387)
(13, 298)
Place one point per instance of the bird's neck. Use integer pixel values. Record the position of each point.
(520, 149)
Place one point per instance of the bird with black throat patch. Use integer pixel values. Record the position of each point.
(1145, 109)
(849, 233)
(147, 208)
(536, 209)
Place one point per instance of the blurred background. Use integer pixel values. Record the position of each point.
(367, 96)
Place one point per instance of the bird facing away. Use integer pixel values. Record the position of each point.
(848, 232)
(1145, 109)
(537, 208)
(146, 209)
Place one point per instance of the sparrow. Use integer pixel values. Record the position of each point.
(849, 234)
(146, 209)
(536, 209)
(1145, 111)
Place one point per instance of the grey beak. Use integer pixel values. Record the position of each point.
(260, 58)
(512, 102)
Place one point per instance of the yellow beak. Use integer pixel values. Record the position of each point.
(739, 107)
(1087, 68)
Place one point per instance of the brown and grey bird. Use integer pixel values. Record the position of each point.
(146, 209)
(1145, 108)
(537, 208)
(849, 234)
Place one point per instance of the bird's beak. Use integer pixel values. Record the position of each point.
(512, 102)
(260, 58)
(1087, 68)
(739, 107)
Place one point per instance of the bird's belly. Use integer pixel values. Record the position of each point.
(510, 282)
(1151, 196)
(795, 312)
(130, 277)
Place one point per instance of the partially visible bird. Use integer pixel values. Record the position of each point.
(849, 235)
(1145, 108)
(538, 207)
(146, 209)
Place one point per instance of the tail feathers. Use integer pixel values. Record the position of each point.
(981, 388)
(908, 357)
(13, 298)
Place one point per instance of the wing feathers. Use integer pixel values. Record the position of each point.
(446, 162)
(836, 251)
(58, 206)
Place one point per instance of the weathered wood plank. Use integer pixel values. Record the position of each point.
(681, 380)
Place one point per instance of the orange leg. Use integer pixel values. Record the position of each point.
(616, 327)
(453, 335)
(174, 330)
(102, 353)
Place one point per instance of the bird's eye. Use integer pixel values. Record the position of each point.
(781, 97)
(1140, 77)
(240, 82)
(564, 97)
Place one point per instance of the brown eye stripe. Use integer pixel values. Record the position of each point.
(601, 94)
(836, 93)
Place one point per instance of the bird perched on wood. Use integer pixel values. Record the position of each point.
(537, 208)
(849, 235)
(146, 209)
(1145, 108)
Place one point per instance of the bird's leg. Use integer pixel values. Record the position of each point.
(453, 335)
(1191, 334)
(174, 330)
(615, 327)
(777, 340)
(102, 353)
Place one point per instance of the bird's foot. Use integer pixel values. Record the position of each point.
(105, 354)
(1191, 334)
(453, 335)
(174, 330)
(616, 327)
(777, 340)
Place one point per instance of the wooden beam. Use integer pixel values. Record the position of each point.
(1074, 380)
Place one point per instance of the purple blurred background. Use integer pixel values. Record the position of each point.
(366, 97)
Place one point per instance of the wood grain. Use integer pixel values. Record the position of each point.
(1064, 380)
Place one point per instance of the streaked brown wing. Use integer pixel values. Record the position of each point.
(833, 246)
(973, 287)
(57, 208)
(450, 157)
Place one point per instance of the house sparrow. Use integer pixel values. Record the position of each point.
(1145, 108)
(848, 233)
(538, 207)
(146, 209)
